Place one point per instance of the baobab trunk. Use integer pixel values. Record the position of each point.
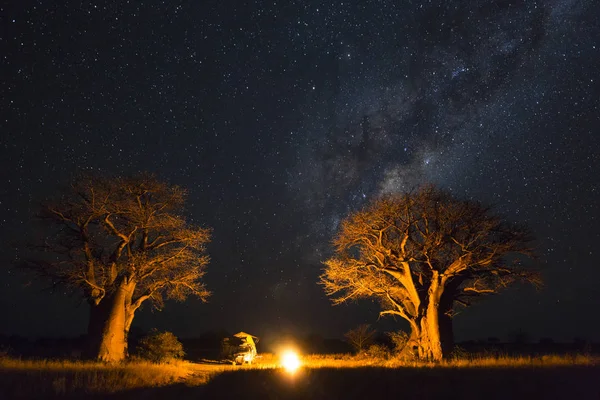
(430, 342)
(411, 348)
(106, 329)
(430, 345)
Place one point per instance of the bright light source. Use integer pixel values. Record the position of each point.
(290, 361)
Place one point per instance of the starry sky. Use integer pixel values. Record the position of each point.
(282, 117)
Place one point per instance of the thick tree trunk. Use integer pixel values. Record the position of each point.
(430, 346)
(424, 342)
(106, 328)
(411, 349)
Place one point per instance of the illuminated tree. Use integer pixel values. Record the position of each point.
(120, 242)
(360, 337)
(422, 254)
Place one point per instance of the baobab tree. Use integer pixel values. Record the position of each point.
(120, 242)
(422, 254)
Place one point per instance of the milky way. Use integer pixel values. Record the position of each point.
(414, 106)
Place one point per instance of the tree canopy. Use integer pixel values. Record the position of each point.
(128, 235)
(423, 251)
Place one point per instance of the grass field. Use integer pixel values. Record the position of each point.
(333, 376)
(36, 379)
(348, 361)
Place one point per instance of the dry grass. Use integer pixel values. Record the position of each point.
(547, 361)
(43, 378)
(27, 378)
(269, 360)
(501, 361)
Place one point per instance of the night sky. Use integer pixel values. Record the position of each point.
(282, 117)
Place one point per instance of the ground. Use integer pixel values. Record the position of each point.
(334, 377)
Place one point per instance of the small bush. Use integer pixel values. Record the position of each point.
(399, 340)
(459, 353)
(160, 347)
(378, 352)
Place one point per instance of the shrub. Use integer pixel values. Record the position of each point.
(160, 347)
(459, 353)
(399, 340)
(378, 352)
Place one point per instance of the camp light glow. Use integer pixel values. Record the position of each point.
(290, 361)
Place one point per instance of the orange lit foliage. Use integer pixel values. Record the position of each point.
(422, 253)
(119, 242)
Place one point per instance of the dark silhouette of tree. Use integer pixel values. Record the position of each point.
(360, 337)
(119, 242)
(422, 254)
